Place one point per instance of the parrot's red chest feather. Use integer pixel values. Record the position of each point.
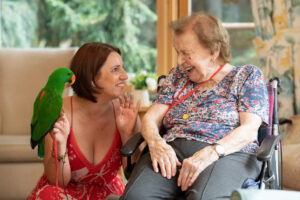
(42, 94)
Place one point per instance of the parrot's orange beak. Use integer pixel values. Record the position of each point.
(72, 80)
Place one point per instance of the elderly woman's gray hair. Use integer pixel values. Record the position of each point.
(209, 30)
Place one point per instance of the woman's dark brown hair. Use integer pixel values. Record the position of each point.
(86, 64)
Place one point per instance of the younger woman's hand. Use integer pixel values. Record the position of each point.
(126, 116)
(61, 129)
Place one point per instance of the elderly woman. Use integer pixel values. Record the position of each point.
(211, 112)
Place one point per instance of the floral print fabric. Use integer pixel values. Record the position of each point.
(88, 181)
(213, 113)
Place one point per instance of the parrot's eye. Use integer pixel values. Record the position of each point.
(69, 74)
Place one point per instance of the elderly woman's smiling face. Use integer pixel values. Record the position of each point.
(194, 58)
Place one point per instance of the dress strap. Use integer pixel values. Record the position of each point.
(71, 111)
(117, 130)
(114, 109)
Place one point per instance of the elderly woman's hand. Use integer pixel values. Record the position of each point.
(194, 165)
(163, 155)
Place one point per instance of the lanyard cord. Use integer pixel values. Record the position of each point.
(191, 92)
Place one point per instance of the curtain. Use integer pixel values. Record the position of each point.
(277, 45)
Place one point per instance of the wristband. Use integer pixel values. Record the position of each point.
(60, 157)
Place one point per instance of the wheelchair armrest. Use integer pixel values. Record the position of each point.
(131, 145)
(267, 147)
(285, 121)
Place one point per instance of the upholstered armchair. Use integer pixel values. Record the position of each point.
(23, 72)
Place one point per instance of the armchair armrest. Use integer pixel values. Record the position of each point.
(128, 149)
(131, 145)
(267, 147)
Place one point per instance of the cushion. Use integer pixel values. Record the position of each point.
(23, 72)
(17, 149)
(291, 166)
(18, 179)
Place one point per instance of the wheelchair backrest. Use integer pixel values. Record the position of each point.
(267, 129)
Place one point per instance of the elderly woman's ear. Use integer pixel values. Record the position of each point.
(215, 55)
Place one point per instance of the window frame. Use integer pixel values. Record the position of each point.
(170, 10)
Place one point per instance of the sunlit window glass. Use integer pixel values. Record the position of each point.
(233, 13)
(128, 24)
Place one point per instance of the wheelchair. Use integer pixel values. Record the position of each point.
(269, 138)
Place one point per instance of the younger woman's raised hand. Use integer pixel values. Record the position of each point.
(126, 116)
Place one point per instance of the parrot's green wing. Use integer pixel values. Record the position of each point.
(47, 109)
(35, 107)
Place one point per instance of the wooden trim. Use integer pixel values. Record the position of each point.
(167, 11)
(184, 8)
(173, 15)
(160, 41)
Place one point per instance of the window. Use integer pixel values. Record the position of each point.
(237, 18)
(128, 24)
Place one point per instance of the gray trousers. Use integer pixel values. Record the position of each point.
(217, 181)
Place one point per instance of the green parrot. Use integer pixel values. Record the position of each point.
(47, 107)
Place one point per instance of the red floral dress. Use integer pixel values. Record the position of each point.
(88, 181)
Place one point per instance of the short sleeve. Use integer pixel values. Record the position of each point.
(253, 95)
(168, 88)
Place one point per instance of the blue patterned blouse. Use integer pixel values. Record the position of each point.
(213, 113)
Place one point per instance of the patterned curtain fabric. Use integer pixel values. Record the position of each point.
(277, 27)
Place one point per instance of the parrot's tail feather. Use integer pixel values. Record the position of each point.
(33, 143)
(41, 149)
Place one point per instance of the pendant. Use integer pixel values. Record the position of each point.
(185, 116)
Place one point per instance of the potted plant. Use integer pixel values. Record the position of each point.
(143, 82)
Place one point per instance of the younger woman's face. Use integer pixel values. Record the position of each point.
(112, 76)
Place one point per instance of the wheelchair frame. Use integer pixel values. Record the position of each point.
(268, 152)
